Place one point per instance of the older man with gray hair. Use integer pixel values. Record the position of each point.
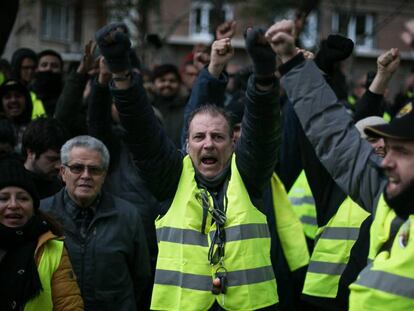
(104, 234)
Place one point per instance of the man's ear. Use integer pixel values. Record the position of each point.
(62, 172)
(186, 145)
(30, 155)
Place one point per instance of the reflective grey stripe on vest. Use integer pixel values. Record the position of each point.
(245, 232)
(192, 237)
(204, 282)
(323, 267)
(387, 282)
(182, 236)
(302, 200)
(308, 220)
(340, 233)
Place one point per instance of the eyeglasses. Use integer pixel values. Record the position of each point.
(80, 168)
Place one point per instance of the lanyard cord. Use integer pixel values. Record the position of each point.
(218, 213)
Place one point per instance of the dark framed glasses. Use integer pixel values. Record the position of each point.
(80, 168)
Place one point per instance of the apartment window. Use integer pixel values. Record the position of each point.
(58, 21)
(309, 35)
(357, 27)
(201, 19)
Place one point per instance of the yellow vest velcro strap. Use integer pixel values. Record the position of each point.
(340, 233)
(386, 282)
(245, 232)
(308, 220)
(326, 267)
(302, 200)
(182, 236)
(204, 282)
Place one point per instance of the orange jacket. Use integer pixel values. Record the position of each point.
(65, 291)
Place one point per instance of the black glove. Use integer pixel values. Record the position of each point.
(115, 46)
(334, 49)
(259, 50)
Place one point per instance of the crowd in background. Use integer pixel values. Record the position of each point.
(69, 140)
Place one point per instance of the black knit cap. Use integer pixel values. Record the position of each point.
(13, 173)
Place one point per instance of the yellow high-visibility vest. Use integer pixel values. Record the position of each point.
(387, 282)
(38, 108)
(289, 228)
(301, 198)
(183, 277)
(49, 262)
(332, 250)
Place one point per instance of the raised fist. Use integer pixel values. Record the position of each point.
(221, 53)
(114, 44)
(281, 37)
(334, 49)
(261, 53)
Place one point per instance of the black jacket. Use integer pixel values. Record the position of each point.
(111, 263)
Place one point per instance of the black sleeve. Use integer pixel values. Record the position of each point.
(289, 164)
(257, 148)
(139, 266)
(156, 156)
(99, 112)
(370, 104)
(69, 105)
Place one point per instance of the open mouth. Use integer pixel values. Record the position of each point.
(393, 180)
(380, 152)
(208, 160)
(13, 216)
(13, 108)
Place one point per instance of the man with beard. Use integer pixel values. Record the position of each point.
(387, 281)
(41, 145)
(48, 79)
(169, 100)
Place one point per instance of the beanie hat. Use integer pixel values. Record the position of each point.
(14, 174)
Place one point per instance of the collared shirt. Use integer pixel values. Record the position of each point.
(82, 216)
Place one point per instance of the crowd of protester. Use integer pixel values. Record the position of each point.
(207, 185)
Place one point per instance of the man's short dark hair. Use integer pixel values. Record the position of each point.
(212, 110)
(164, 69)
(43, 134)
(53, 53)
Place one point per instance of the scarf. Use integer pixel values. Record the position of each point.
(19, 278)
(216, 182)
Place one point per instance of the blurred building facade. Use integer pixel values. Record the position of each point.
(66, 25)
